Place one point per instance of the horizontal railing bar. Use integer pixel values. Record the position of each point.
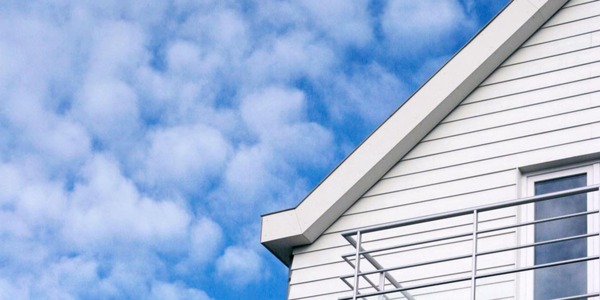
(352, 287)
(378, 266)
(371, 283)
(411, 288)
(412, 244)
(347, 283)
(381, 270)
(430, 262)
(578, 296)
(479, 232)
(468, 211)
(458, 213)
(542, 266)
(539, 243)
(349, 262)
(477, 254)
(499, 273)
(589, 212)
(428, 231)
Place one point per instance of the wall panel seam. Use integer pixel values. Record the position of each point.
(549, 56)
(402, 235)
(495, 157)
(539, 74)
(557, 39)
(509, 139)
(515, 123)
(572, 21)
(518, 107)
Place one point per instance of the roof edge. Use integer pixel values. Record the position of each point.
(284, 230)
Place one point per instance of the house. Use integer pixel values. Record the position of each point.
(483, 185)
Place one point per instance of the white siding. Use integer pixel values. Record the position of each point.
(542, 104)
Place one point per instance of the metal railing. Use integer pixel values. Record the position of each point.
(386, 284)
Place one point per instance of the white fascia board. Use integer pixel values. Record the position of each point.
(406, 127)
(282, 224)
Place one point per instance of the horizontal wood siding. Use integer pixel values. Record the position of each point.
(542, 104)
(578, 2)
(555, 33)
(557, 47)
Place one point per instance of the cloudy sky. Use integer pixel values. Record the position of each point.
(140, 141)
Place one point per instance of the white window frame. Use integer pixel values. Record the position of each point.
(525, 280)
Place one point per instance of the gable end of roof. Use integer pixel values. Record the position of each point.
(282, 231)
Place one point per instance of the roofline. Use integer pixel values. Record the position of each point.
(402, 104)
(398, 134)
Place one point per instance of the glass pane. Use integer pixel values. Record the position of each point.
(566, 280)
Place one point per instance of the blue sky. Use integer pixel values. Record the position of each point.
(140, 141)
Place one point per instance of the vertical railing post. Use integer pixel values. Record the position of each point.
(381, 284)
(357, 264)
(474, 255)
(597, 198)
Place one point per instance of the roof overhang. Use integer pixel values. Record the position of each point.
(282, 231)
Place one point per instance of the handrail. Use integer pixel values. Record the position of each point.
(579, 214)
(459, 257)
(384, 273)
(468, 211)
(487, 275)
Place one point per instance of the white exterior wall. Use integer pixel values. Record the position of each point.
(542, 104)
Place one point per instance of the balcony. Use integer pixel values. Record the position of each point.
(484, 252)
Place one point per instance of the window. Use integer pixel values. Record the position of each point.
(566, 280)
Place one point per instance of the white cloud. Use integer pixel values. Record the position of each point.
(415, 26)
(267, 110)
(252, 180)
(62, 139)
(369, 94)
(117, 48)
(34, 202)
(169, 291)
(139, 139)
(185, 156)
(347, 22)
(9, 290)
(42, 204)
(34, 52)
(239, 266)
(109, 159)
(146, 13)
(206, 238)
(278, 116)
(12, 184)
(60, 143)
(35, 55)
(107, 210)
(184, 57)
(108, 108)
(264, 172)
(344, 23)
(99, 239)
(223, 34)
(67, 277)
(289, 57)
